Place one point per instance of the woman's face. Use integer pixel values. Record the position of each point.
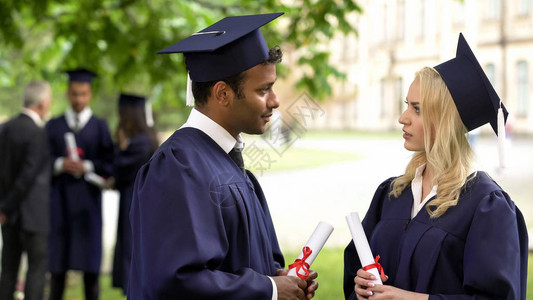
(413, 129)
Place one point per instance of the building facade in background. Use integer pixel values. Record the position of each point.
(398, 37)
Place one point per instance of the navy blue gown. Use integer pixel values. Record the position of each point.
(76, 205)
(476, 250)
(201, 227)
(127, 164)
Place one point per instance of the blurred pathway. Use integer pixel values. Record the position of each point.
(299, 199)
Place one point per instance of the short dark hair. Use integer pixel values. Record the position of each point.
(202, 90)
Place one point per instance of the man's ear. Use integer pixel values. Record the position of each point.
(222, 93)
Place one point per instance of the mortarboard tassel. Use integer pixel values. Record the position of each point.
(148, 113)
(501, 136)
(189, 100)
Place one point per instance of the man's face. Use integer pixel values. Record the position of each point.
(251, 113)
(79, 94)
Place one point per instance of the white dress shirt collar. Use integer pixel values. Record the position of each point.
(416, 188)
(216, 132)
(84, 117)
(34, 116)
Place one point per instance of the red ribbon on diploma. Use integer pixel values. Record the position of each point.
(300, 263)
(376, 265)
(78, 150)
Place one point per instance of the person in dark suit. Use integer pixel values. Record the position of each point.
(25, 193)
(76, 201)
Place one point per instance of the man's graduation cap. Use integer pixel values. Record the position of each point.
(131, 100)
(226, 48)
(80, 75)
(473, 94)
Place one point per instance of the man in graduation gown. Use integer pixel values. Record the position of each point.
(76, 208)
(25, 194)
(200, 223)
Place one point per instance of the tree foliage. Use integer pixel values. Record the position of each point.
(119, 39)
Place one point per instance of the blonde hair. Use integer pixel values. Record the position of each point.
(447, 149)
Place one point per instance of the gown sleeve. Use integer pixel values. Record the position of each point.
(351, 258)
(179, 238)
(495, 256)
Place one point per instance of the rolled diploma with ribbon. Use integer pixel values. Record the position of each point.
(72, 148)
(301, 265)
(362, 246)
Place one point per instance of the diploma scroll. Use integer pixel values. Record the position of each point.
(362, 246)
(95, 179)
(72, 148)
(301, 265)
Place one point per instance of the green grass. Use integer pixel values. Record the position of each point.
(293, 158)
(329, 265)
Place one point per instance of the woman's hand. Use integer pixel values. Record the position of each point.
(382, 291)
(365, 288)
(364, 281)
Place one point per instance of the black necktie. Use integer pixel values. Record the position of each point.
(236, 156)
(76, 124)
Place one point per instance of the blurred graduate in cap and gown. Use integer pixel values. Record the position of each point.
(442, 230)
(137, 141)
(200, 222)
(76, 208)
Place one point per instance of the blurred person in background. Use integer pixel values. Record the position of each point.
(136, 143)
(25, 193)
(76, 202)
(443, 230)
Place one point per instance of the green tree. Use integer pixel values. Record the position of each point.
(119, 39)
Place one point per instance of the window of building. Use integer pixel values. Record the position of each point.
(522, 88)
(401, 20)
(458, 12)
(490, 70)
(422, 19)
(524, 7)
(399, 95)
(382, 92)
(493, 9)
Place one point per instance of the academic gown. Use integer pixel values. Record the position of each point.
(127, 164)
(477, 250)
(76, 208)
(201, 227)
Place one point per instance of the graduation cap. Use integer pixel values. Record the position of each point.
(473, 94)
(131, 100)
(226, 48)
(80, 75)
(138, 101)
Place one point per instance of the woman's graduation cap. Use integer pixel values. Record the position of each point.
(131, 100)
(140, 102)
(473, 94)
(80, 75)
(226, 48)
